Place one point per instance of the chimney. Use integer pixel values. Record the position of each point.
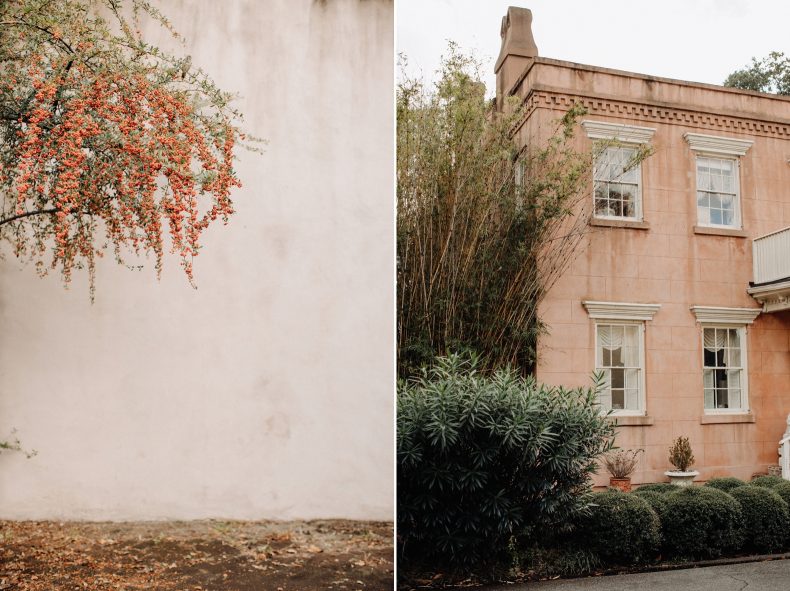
(518, 48)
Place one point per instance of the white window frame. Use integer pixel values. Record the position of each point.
(638, 216)
(744, 368)
(723, 148)
(640, 325)
(618, 135)
(622, 313)
(737, 318)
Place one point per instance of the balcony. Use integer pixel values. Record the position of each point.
(771, 259)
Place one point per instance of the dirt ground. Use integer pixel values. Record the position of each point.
(196, 556)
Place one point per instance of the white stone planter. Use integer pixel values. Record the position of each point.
(679, 478)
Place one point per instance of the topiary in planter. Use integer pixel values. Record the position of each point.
(701, 522)
(620, 528)
(767, 481)
(726, 484)
(659, 487)
(765, 518)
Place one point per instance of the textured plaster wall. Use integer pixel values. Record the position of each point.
(669, 264)
(268, 391)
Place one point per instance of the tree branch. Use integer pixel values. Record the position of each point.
(19, 216)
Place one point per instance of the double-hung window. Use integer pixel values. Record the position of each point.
(617, 171)
(617, 184)
(620, 354)
(724, 357)
(718, 179)
(718, 202)
(722, 371)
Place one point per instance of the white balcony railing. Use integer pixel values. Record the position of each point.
(771, 256)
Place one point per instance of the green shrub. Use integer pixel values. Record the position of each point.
(483, 458)
(701, 522)
(549, 563)
(767, 481)
(726, 484)
(655, 499)
(783, 490)
(765, 518)
(659, 487)
(620, 528)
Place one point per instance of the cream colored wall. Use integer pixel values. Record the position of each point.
(671, 265)
(268, 391)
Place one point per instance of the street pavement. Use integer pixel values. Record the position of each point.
(752, 576)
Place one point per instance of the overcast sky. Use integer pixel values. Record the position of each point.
(697, 40)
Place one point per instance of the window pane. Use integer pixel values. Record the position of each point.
(733, 338)
(632, 399)
(734, 378)
(707, 378)
(631, 378)
(721, 398)
(618, 399)
(709, 403)
(618, 378)
(735, 398)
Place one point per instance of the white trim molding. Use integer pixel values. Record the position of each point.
(774, 297)
(719, 315)
(620, 310)
(712, 144)
(619, 132)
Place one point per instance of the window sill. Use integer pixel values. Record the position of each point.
(634, 225)
(631, 421)
(720, 232)
(741, 417)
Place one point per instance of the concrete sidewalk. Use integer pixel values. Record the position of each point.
(753, 576)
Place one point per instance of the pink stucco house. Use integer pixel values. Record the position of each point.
(681, 292)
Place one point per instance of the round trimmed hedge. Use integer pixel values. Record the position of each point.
(765, 518)
(702, 522)
(657, 500)
(726, 484)
(767, 481)
(620, 528)
(783, 490)
(659, 487)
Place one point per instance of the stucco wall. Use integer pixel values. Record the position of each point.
(268, 391)
(668, 263)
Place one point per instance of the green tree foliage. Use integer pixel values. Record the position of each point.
(484, 229)
(484, 457)
(769, 74)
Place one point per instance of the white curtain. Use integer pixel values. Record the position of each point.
(715, 340)
(623, 337)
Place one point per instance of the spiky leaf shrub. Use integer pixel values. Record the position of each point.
(620, 528)
(701, 522)
(765, 518)
(767, 481)
(484, 457)
(659, 487)
(726, 484)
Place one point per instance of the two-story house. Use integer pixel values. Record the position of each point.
(681, 290)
